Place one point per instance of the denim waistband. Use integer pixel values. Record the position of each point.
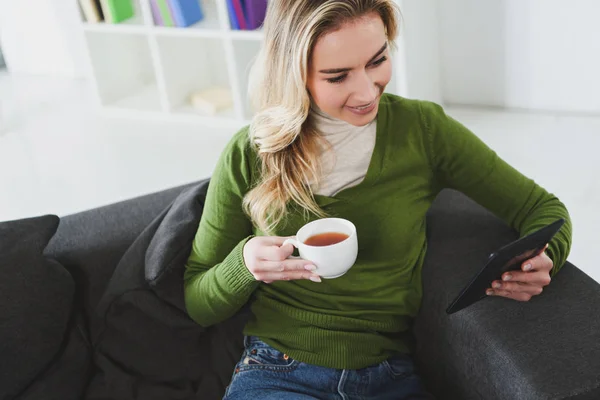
(254, 341)
(394, 378)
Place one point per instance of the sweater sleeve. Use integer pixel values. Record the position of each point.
(462, 161)
(216, 281)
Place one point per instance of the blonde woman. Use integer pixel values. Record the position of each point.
(327, 141)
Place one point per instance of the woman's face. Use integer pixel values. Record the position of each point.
(349, 69)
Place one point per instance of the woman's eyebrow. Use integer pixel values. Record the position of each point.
(339, 70)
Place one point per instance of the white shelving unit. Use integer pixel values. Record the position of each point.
(146, 71)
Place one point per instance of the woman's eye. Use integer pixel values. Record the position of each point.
(379, 62)
(337, 79)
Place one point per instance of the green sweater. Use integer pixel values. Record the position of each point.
(365, 316)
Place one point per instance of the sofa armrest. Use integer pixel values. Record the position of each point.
(547, 348)
(91, 243)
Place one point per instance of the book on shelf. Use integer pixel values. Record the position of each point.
(116, 11)
(255, 11)
(212, 100)
(246, 14)
(92, 10)
(176, 13)
(164, 12)
(185, 12)
(156, 14)
(232, 19)
(239, 14)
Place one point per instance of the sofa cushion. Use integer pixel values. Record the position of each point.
(91, 243)
(148, 347)
(36, 295)
(498, 348)
(67, 377)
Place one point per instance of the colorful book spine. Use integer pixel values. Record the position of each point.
(255, 11)
(232, 19)
(185, 12)
(156, 15)
(165, 12)
(116, 11)
(239, 14)
(92, 10)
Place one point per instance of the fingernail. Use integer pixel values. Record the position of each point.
(527, 267)
(315, 279)
(310, 268)
(497, 285)
(507, 277)
(489, 292)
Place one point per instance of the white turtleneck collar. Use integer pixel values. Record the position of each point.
(328, 125)
(346, 162)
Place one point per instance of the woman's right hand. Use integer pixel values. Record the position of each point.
(267, 260)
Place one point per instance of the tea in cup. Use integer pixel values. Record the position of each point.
(331, 244)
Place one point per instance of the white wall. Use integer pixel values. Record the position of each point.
(43, 37)
(418, 68)
(534, 54)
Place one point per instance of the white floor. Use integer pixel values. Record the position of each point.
(58, 156)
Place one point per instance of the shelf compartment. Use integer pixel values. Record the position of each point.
(124, 71)
(192, 64)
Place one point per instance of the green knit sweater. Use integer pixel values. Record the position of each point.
(365, 316)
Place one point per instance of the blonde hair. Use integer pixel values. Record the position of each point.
(287, 144)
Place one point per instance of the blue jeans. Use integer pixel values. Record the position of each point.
(267, 374)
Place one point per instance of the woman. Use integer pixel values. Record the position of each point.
(327, 141)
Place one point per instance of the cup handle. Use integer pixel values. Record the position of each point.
(294, 243)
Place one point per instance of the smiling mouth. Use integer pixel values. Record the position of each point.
(363, 107)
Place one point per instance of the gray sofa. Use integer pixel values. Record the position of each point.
(125, 334)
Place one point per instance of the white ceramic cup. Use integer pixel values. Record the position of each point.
(334, 260)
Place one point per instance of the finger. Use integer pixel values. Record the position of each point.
(519, 296)
(287, 276)
(540, 262)
(515, 287)
(276, 240)
(540, 278)
(296, 264)
(275, 251)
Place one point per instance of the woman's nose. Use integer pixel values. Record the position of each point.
(366, 89)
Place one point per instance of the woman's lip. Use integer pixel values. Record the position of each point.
(363, 111)
(364, 105)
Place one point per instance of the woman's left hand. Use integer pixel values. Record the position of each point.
(523, 285)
